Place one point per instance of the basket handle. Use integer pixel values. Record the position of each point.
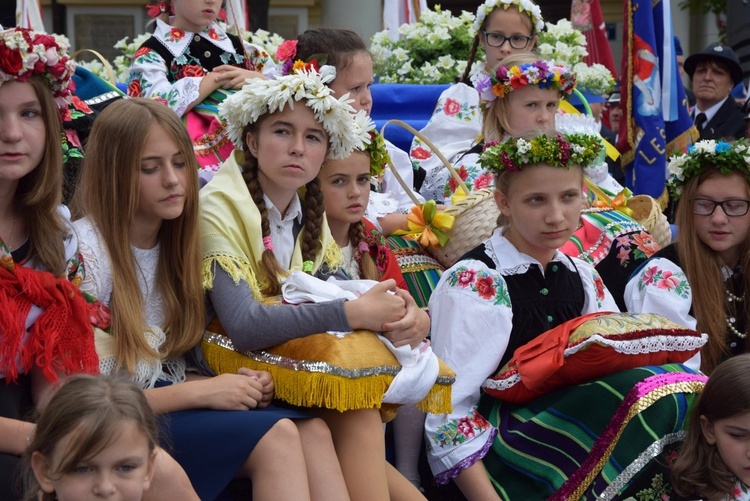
(101, 59)
(432, 147)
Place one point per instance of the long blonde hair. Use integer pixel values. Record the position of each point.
(702, 267)
(496, 116)
(39, 192)
(108, 195)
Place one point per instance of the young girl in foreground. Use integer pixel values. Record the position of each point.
(95, 439)
(713, 459)
(139, 196)
(701, 281)
(256, 229)
(497, 299)
(345, 184)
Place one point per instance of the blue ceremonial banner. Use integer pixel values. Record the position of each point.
(655, 122)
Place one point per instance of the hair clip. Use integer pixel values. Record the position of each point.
(363, 247)
(307, 266)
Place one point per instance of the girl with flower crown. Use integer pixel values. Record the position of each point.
(493, 304)
(701, 280)
(262, 217)
(45, 326)
(190, 58)
(345, 184)
(346, 51)
(503, 28)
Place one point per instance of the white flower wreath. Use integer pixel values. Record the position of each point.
(347, 130)
(527, 6)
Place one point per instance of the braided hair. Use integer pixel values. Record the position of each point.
(367, 267)
(312, 210)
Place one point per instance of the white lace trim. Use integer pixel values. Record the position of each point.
(350, 264)
(147, 372)
(380, 205)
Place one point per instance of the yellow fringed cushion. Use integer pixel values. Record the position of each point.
(324, 370)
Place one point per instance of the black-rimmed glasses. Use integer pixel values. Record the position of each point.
(732, 208)
(515, 41)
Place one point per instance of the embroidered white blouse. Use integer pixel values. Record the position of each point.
(472, 319)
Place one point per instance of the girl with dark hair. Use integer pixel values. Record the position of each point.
(262, 217)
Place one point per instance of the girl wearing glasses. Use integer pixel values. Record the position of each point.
(700, 281)
(502, 28)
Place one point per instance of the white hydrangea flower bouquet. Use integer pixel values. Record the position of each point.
(562, 43)
(432, 51)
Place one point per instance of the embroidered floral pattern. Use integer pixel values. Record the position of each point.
(455, 109)
(635, 246)
(420, 153)
(599, 287)
(474, 177)
(175, 35)
(488, 287)
(457, 432)
(665, 279)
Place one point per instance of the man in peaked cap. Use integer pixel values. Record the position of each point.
(714, 72)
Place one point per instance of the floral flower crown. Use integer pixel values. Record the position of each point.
(287, 52)
(724, 157)
(378, 152)
(539, 73)
(556, 151)
(346, 130)
(595, 79)
(25, 53)
(527, 6)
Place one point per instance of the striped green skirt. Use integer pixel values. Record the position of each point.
(609, 438)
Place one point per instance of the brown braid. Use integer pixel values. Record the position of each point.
(367, 267)
(313, 210)
(470, 62)
(268, 264)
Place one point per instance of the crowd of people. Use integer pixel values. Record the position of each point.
(226, 179)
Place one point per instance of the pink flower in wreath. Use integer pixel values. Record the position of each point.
(466, 277)
(668, 281)
(451, 107)
(287, 50)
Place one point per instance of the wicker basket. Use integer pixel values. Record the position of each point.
(646, 211)
(476, 214)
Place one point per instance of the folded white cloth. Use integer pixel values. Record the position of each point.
(419, 366)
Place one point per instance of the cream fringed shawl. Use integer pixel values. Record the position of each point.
(231, 236)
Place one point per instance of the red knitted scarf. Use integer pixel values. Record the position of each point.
(61, 339)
